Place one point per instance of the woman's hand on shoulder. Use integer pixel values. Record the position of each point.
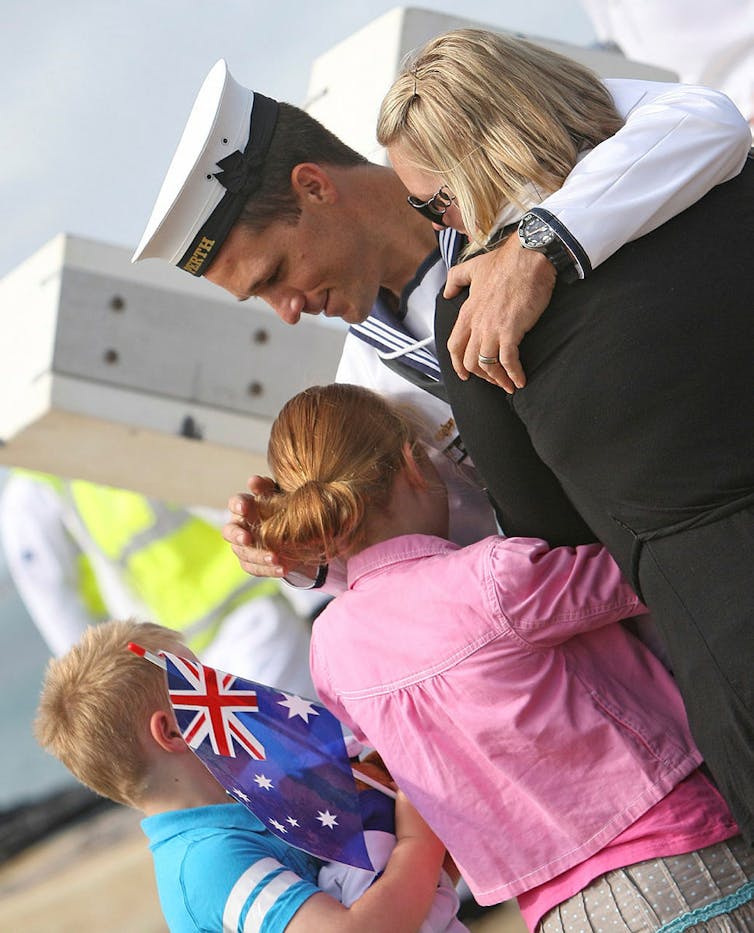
(509, 288)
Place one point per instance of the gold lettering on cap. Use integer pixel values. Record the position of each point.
(199, 255)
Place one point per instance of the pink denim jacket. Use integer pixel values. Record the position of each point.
(524, 723)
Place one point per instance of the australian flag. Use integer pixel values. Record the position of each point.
(281, 756)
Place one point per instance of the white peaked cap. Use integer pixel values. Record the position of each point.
(195, 211)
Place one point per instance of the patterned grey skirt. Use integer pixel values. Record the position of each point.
(711, 889)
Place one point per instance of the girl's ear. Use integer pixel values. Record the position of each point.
(164, 730)
(412, 457)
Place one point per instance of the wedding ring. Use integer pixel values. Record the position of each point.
(488, 360)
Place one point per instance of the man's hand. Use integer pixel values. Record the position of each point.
(243, 509)
(509, 288)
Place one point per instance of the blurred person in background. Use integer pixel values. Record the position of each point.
(79, 552)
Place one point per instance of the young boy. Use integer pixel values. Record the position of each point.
(106, 715)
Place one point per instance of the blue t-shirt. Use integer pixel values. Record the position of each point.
(218, 868)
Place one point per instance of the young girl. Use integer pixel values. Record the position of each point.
(637, 402)
(545, 746)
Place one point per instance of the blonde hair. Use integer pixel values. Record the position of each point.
(492, 113)
(334, 452)
(95, 705)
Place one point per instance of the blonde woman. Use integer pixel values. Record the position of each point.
(545, 745)
(501, 123)
(638, 402)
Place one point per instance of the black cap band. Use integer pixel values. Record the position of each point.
(240, 175)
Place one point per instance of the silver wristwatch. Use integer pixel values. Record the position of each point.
(536, 234)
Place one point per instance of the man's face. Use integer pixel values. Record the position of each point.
(320, 265)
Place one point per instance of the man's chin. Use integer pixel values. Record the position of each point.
(351, 311)
(354, 315)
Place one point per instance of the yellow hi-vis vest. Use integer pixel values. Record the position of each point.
(178, 565)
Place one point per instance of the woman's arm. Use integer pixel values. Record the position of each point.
(527, 497)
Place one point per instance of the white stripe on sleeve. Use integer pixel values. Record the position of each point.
(266, 898)
(241, 890)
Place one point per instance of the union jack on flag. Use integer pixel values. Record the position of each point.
(216, 699)
(282, 756)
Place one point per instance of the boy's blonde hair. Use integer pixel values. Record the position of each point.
(96, 702)
(490, 113)
(334, 452)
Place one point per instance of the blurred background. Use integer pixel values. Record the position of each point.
(96, 94)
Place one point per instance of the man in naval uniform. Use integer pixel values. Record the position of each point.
(265, 202)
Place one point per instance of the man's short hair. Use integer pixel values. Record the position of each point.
(96, 702)
(298, 138)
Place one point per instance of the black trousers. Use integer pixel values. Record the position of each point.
(636, 427)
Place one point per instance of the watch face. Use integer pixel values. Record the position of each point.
(535, 233)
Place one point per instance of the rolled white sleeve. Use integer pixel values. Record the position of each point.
(678, 142)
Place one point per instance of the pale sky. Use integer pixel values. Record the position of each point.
(96, 92)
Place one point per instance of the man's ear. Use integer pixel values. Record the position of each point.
(313, 183)
(164, 730)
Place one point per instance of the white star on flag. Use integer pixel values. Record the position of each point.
(291, 821)
(239, 794)
(262, 781)
(298, 706)
(327, 819)
(278, 826)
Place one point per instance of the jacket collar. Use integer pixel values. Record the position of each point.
(383, 555)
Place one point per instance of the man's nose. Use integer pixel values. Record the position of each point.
(288, 303)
